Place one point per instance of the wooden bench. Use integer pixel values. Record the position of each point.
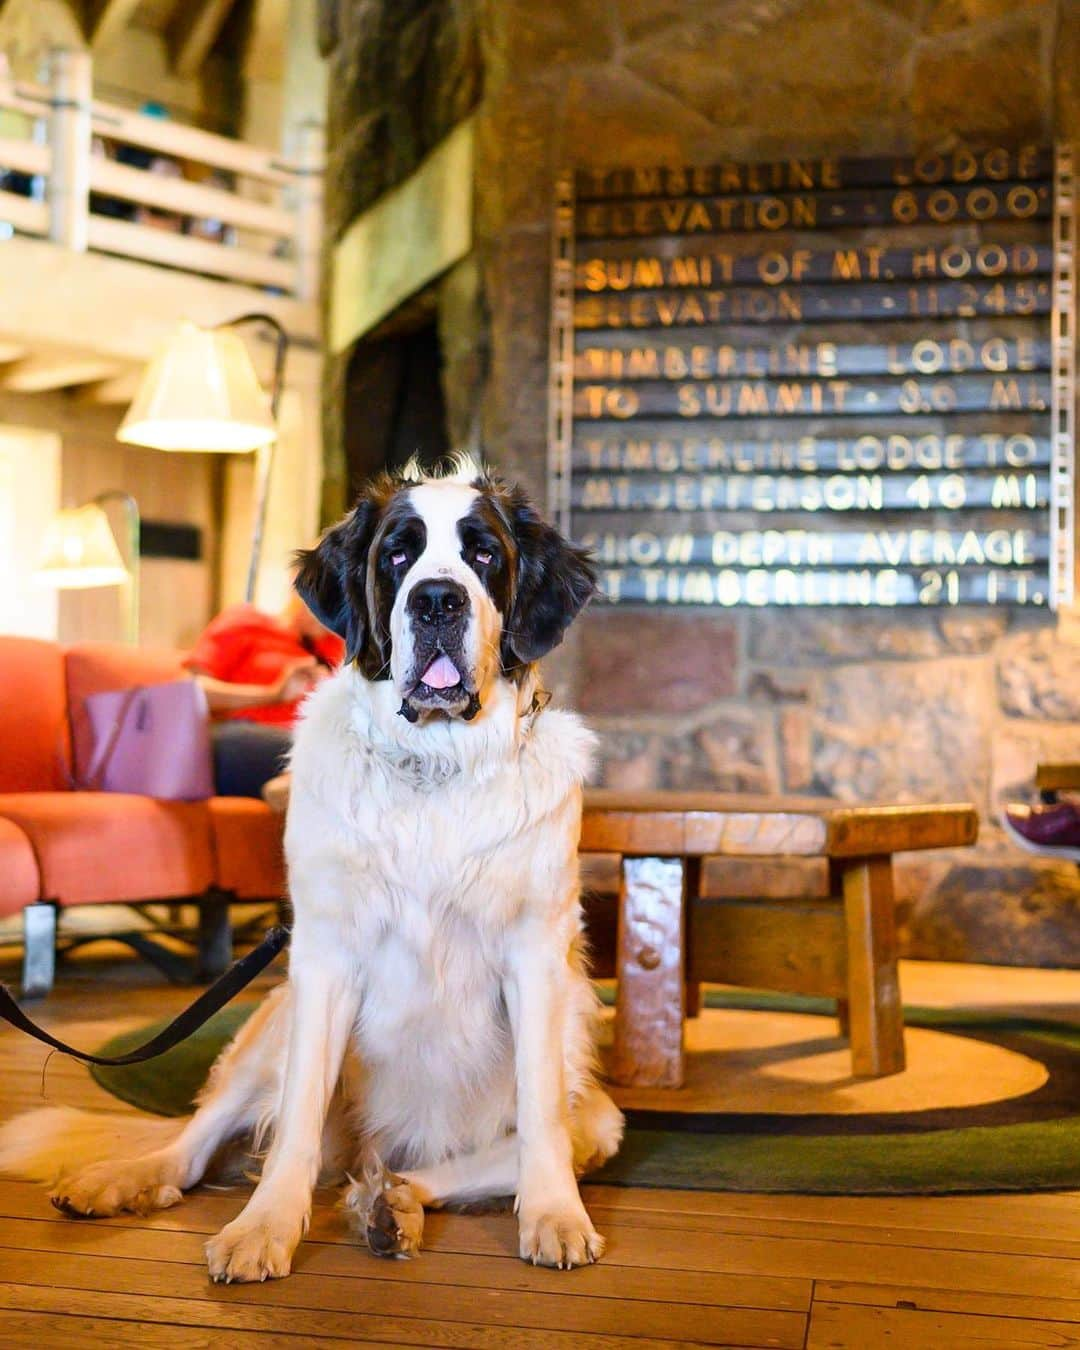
(798, 897)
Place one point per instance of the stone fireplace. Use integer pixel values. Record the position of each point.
(855, 705)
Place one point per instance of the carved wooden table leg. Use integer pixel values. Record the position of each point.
(651, 970)
(874, 1011)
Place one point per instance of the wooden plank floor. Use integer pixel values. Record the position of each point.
(682, 1268)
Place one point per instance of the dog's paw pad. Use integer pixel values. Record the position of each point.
(385, 1209)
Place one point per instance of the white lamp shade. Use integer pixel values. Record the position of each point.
(200, 392)
(79, 551)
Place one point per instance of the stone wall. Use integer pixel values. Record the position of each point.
(844, 705)
(402, 74)
(957, 706)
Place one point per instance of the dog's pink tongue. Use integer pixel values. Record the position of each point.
(441, 674)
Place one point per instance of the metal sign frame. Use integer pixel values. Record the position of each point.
(1063, 385)
(1063, 487)
(561, 354)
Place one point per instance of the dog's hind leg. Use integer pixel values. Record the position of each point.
(596, 1129)
(242, 1084)
(388, 1210)
(385, 1211)
(487, 1174)
(483, 1175)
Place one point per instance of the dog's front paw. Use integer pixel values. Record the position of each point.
(385, 1208)
(560, 1236)
(251, 1248)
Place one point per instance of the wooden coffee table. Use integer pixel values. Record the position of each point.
(1051, 779)
(819, 921)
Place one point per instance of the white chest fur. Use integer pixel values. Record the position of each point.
(422, 847)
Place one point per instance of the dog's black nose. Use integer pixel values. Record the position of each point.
(438, 601)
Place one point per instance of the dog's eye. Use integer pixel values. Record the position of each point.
(397, 557)
(483, 556)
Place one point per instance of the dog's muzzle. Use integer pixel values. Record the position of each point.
(438, 611)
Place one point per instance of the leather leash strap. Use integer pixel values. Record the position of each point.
(212, 1000)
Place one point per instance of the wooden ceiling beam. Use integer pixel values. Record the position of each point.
(193, 32)
(127, 308)
(106, 20)
(118, 389)
(44, 372)
(11, 349)
(267, 41)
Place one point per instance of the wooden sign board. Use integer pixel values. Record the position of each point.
(818, 382)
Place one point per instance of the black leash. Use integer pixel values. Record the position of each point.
(237, 977)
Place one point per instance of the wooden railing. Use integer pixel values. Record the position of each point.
(59, 140)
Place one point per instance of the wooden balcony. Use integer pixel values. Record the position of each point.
(267, 205)
(115, 224)
(114, 227)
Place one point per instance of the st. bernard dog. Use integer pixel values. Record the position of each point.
(435, 1039)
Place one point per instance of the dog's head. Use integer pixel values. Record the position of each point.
(444, 584)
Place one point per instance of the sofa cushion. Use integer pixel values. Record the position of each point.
(249, 855)
(100, 667)
(34, 746)
(109, 846)
(19, 882)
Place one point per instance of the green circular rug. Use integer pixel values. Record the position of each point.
(1029, 1142)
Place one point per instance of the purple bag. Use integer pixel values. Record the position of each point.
(152, 740)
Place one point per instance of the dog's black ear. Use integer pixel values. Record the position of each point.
(331, 578)
(555, 581)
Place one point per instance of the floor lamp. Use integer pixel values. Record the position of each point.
(200, 392)
(80, 552)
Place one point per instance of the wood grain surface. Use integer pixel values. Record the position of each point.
(682, 1268)
(697, 824)
(1058, 777)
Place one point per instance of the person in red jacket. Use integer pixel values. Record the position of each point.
(255, 669)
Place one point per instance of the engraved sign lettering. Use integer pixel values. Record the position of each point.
(810, 381)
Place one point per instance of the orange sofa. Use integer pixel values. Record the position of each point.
(60, 846)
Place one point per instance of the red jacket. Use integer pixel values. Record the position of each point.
(244, 646)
